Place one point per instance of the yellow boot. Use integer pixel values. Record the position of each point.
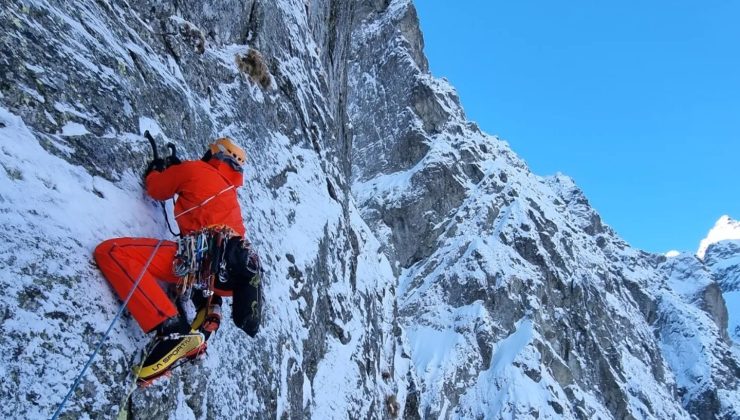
(166, 353)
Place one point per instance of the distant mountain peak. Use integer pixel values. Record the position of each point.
(726, 228)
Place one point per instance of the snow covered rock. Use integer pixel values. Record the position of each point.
(718, 259)
(79, 83)
(515, 298)
(722, 257)
(726, 229)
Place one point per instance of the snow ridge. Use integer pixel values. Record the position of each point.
(725, 229)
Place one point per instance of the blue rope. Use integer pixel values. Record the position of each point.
(105, 336)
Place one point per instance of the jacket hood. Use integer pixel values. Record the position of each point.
(234, 177)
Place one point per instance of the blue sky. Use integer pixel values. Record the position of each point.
(638, 101)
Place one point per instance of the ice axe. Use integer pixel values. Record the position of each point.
(172, 159)
(153, 143)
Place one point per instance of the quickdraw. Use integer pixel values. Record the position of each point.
(200, 259)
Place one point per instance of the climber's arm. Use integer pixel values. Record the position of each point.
(164, 185)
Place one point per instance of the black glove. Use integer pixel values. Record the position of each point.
(171, 160)
(155, 165)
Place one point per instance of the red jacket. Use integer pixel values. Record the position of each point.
(206, 194)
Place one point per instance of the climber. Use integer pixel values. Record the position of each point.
(210, 260)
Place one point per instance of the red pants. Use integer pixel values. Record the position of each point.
(121, 260)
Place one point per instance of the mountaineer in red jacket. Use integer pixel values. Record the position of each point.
(210, 260)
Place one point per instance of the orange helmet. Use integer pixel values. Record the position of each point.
(226, 150)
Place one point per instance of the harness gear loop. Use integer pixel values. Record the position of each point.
(200, 259)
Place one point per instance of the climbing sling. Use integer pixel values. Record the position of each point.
(204, 202)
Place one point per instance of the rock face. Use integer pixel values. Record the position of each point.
(713, 365)
(80, 82)
(722, 258)
(515, 298)
(415, 266)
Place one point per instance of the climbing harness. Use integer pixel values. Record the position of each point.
(107, 332)
(201, 259)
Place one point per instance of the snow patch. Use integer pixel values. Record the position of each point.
(148, 124)
(71, 129)
(56, 213)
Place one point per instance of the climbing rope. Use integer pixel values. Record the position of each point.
(107, 332)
